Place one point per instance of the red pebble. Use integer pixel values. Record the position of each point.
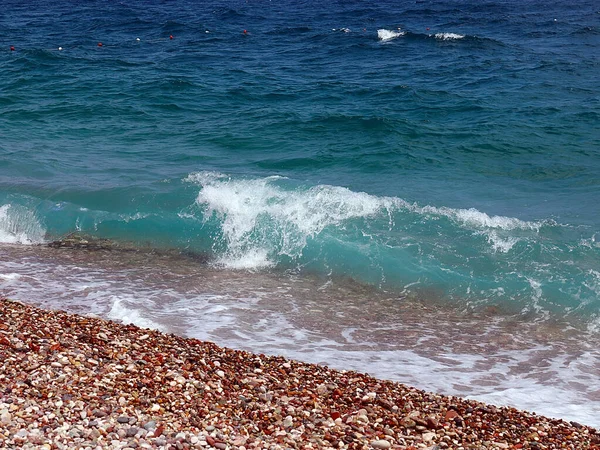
(335, 415)
(159, 430)
(451, 414)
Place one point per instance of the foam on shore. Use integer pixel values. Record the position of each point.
(82, 381)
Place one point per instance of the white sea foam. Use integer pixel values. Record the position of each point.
(476, 219)
(9, 276)
(388, 35)
(133, 217)
(499, 243)
(19, 225)
(261, 220)
(122, 312)
(273, 314)
(448, 36)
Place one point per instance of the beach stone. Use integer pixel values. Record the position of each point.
(5, 417)
(451, 414)
(407, 422)
(150, 425)
(123, 419)
(428, 437)
(381, 443)
(131, 431)
(432, 422)
(98, 413)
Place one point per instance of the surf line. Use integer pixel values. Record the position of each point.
(101, 44)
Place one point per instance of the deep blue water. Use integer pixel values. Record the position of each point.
(405, 188)
(461, 155)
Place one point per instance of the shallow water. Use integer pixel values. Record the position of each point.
(486, 355)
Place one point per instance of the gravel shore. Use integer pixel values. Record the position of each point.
(73, 382)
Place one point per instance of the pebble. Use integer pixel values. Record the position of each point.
(428, 437)
(99, 413)
(381, 443)
(193, 394)
(150, 425)
(288, 422)
(5, 417)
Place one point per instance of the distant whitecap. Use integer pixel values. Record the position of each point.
(448, 36)
(388, 35)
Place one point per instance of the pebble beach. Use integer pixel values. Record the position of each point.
(78, 382)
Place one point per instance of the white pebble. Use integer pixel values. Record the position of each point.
(5, 417)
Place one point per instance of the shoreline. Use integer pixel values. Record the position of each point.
(70, 381)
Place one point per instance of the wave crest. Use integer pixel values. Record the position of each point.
(19, 225)
(387, 35)
(262, 220)
(449, 36)
(259, 221)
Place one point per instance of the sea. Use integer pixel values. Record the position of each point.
(409, 189)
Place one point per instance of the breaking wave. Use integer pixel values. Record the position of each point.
(19, 225)
(387, 35)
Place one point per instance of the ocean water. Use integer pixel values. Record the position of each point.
(405, 188)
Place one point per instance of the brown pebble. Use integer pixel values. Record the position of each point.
(99, 389)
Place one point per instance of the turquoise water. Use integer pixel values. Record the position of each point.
(441, 151)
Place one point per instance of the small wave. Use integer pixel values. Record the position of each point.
(448, 36)
(261, 220)
(499, 243)
(387, 35)
(474, 218)
(122, 312)
(19, 225)
(10, 276)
